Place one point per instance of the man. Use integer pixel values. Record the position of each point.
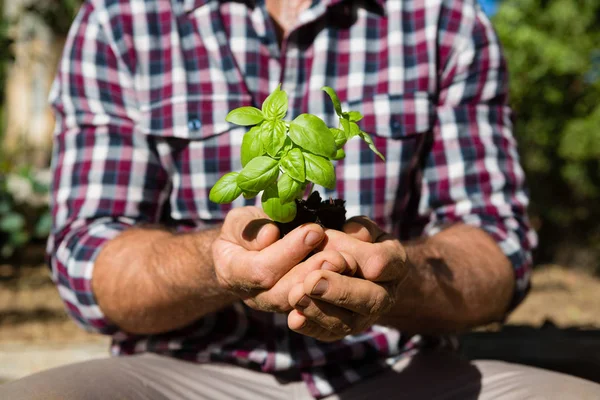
(220, 311)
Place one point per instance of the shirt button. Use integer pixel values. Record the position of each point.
(396, 125)
(194, 124)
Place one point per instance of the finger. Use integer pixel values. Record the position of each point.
(260, 234)
(300, 324)
(262, 270)
(357, 295)
(276, 298)
(250, 228)
(363, 229)
(333, 318)
(378, 262)
(331, 260)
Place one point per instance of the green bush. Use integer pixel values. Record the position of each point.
(553, 52)
(24, 214)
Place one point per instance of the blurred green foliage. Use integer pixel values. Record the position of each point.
(57, 14)
(24, 214)
(553, 52)
(24, 191)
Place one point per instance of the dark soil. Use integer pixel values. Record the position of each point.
(330, 213)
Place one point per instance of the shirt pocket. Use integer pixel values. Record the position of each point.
(196, 146)
(190, 117)
(395, 116)
(387, 191)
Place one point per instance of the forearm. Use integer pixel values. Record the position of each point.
(149, 281)
(458, 279)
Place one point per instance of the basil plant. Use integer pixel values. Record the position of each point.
(282, 158)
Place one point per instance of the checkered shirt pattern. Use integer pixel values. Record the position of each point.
(141, 98)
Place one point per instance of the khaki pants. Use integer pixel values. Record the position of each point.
(434, 375)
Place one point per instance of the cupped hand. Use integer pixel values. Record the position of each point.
(329, 306)
(252, 262)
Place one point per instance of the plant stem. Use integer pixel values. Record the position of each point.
(309, 192)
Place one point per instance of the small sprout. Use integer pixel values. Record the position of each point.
(282, 159)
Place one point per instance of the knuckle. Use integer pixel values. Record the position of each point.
(343, 329)
(343, 297)
(224, 278)
(377, 265)
(262, 278)
(378, 304)
(336, 261)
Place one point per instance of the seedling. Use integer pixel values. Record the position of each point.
(282, 159)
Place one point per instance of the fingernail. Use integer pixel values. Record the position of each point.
(303, 302)
(328, 266)
(312, 238)
(320, 287)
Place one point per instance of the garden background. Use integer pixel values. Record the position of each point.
(553, 51)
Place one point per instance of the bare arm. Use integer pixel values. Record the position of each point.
(458, 279)
(453, 281)
(151, 281)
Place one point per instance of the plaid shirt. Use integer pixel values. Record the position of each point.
(141, 98)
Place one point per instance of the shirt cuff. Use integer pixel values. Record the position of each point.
(72, 262)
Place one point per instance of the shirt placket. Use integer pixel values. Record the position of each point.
(286, 61)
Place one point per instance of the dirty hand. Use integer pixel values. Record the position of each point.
(252, 262)
(328, 305)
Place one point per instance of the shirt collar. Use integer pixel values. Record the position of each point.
(191, 5)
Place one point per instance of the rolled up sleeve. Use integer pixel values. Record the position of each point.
(472, 174)
(106, 176)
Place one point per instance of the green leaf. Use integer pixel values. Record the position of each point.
(367, 138)
(275, 106)
(12, 222)
(319, 170)
(226, 189)
(334, 99)
(274, 208)
(287, 146)
(272, 136)
(249, 195)
(251, 145)
(354, 130)
(245, 116)
(43, 225)
(353, 116)
(345, 124)
(289, 189)
(311, 133)
(258, 174)
(339, 136)
(339, 155)
(293, 164)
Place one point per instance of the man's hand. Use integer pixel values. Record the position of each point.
(328, 305)
(253, 263)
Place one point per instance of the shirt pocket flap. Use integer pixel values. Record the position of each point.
(190, 118)
(395, 116)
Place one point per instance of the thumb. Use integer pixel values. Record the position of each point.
(249, 228)
(363, 229)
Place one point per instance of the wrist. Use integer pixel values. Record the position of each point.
(413, 290)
